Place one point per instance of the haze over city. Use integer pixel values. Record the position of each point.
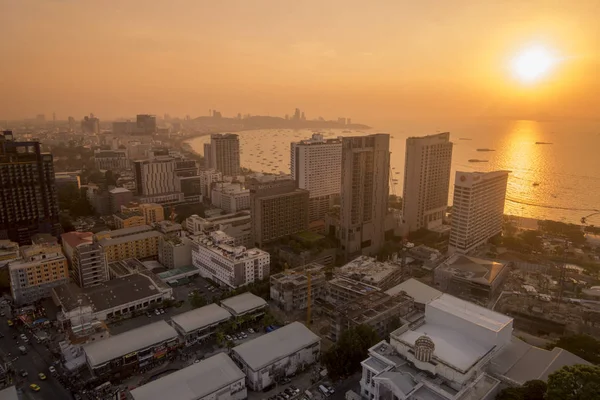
(380, 62)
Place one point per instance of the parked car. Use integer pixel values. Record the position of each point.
(24, 373)
(227, 337)
(52, 370)
(251, 330)
(24, 338)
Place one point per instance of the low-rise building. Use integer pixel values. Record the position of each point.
(383, 275)
(216, 377)
(237, 225)
(65, 179)
(119, 197)
(168, 227)
(230, 197)
(125, 353)
(219, 259)
(152, 212)
(119, 297)
(174, 251)
(340, 290)
(245, 304)
(207, 178)
(289, 289)
(378, 310)
(40, 268)
(169, 198)
(199, 324)
(135, 242)
(470, 278)
(128, 219)
(277, 354)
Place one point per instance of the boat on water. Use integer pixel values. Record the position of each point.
(543, 143)
(464, 138)
(486, 149)
(536, 184)
(346, 131)
(476, 160)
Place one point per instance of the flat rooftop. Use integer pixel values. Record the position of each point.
(297, 276)
(109, 294)
(125, 231)
(419, 291)
(243, 303)
(474, 269)
(352, 285)
(100, 352)
(451, 347)
(369, 270)
(201, 317)
(471, 312)
(9, 393)
(193, 382)
(374, 304)
(109, 241)
(275, 345)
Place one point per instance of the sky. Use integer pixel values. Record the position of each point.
(380, 60)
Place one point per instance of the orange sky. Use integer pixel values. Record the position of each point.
(372, 60)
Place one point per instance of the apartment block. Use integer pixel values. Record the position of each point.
(230, 197)
(174, 251)
(86, 258)
(289, 289)
(217, 258)
(278, 209)
(139, 242)
(237, 225)
(128, 219)
(225, 153)
(478, 209)
(364, 193)
(426, 180)
(40, 268)
(114, 160)
(316, 165)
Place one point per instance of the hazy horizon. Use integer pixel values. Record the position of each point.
(375, 63)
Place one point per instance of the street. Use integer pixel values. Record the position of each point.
(37, 359)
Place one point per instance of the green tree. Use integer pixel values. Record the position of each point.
(197, 300)
(574, 382)
(220, 337)
(583, 346)
(344, 358)
(534, 390)
(510, 393)
(532, 239)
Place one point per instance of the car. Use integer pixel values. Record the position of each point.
(24, 373)
(285, 396)
(42, 376)
(160, 310)
(251, 330)
(148, 315)
(196, 361)
(23, 337)
(289, 392)
(227, 337)
(9, 322)
(2, 314)
(34, 387)
(295, 389)
(52, 369)
(156, 312)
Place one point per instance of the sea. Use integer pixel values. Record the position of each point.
(555, 167)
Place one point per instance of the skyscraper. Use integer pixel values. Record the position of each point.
(90, 124)
(364, 193)
(225, 153)
(155, 176)
(426, 180)
(316, 165)
(477, 209)
(28, 200)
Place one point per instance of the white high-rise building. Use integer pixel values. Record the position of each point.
(316, 164)
(155, 176)
(364, 193)
(426, 180)
(217, 258)
(477, 209)
(207, 178)
(224, 153)
(230, 197)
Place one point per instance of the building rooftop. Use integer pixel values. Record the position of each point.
(108, 241)
(372, 305)
(280, 343)
(419, 291)
(369, 270)
(74, 239)
(297, 276)
(243, 303)
(113, 293)
(128, 214)
(201, 317)
(473, 269)
(9, 393)
(352, 285)
(471, 312)
(521, 362)
(124, 232)
(193, 382)
(119, 190)
(222, 245)
(105, 350)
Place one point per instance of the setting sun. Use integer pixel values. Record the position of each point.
(533, 64)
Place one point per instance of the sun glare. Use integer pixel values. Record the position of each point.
(533, 64)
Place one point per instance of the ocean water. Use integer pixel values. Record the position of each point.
(558, 181)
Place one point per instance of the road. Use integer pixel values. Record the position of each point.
(37, 359)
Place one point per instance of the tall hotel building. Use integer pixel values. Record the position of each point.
(28, 199)
(426, 180)
(364, 193)
(316, 165)
(223, 154)
(477, 209)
